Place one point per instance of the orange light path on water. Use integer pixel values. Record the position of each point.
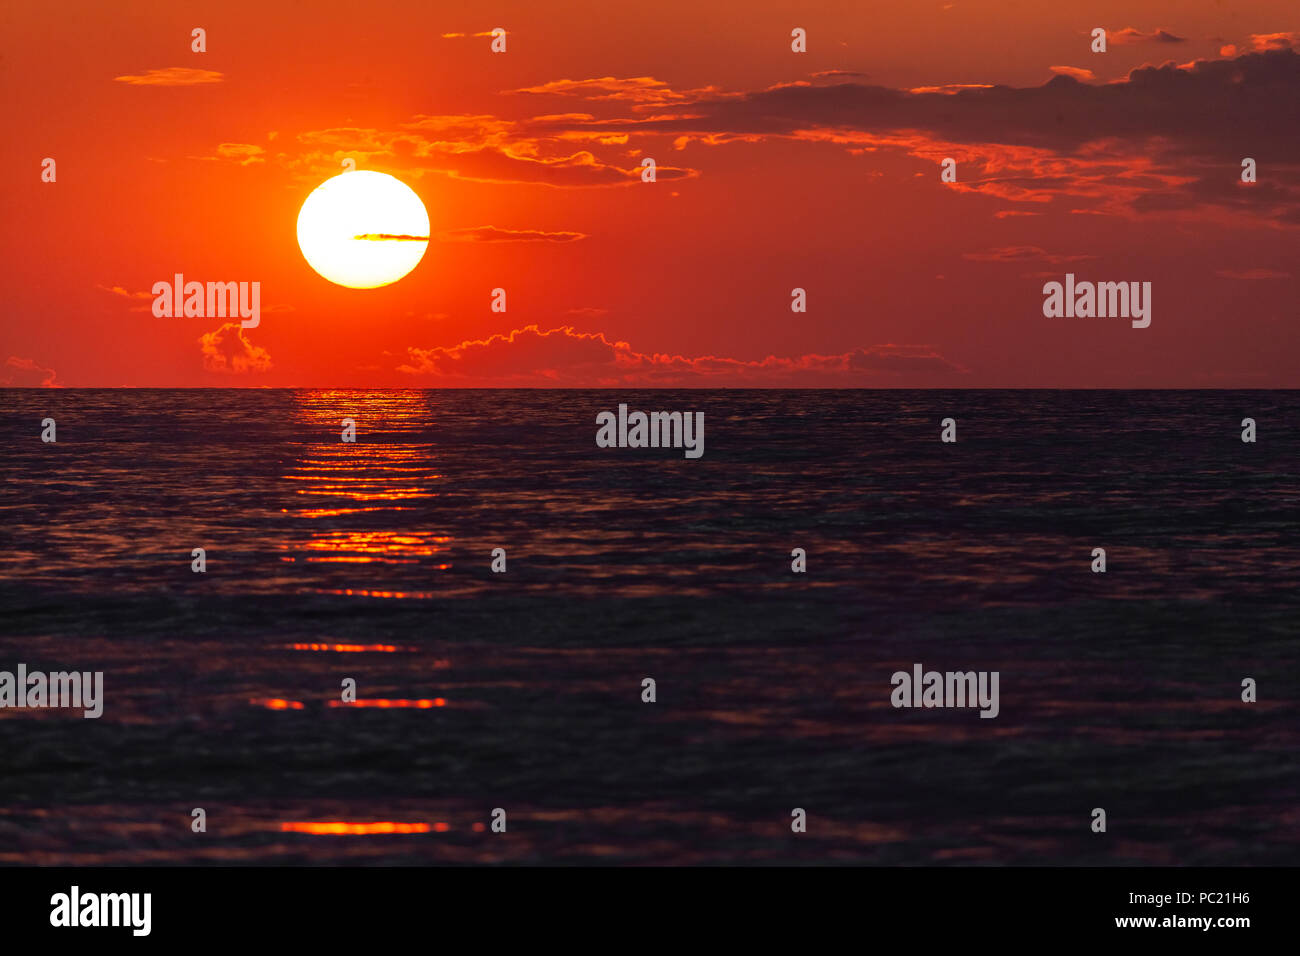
(387, 702)
(349, 648)
(351, 592)
(344, 828)
(279, 703)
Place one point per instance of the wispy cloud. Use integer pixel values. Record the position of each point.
(951, 88)
(478, 148)
(642, 91)
(1022, 254)
(171, 76)
(246, 154)
(1078, 72)
(140, 298)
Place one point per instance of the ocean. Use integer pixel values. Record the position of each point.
(522, 691)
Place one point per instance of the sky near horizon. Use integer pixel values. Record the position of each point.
(775, 170)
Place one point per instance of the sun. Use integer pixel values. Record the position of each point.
(363, 229)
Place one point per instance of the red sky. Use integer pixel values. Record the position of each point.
(776, 170)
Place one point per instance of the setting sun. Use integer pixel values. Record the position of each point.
(363, 229)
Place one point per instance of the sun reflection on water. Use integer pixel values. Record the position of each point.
(347, 487)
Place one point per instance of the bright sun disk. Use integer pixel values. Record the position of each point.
(383, 211)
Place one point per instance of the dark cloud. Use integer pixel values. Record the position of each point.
(1165, 138)
(1134, 35)
(1153, 141)
(493, 234)
(1251, 100)
(226, 349)
(26, 373)
(479, 234)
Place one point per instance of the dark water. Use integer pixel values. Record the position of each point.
(523, 690)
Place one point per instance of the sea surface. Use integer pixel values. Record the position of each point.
(475, 690)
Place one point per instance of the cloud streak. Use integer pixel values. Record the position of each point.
(478, 234)
(1129, 35)
(143, 300)
(493, 234)
(1022, 254)
(564, 357)
(171, 76)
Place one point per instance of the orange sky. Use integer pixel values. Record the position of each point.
(774, 173)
